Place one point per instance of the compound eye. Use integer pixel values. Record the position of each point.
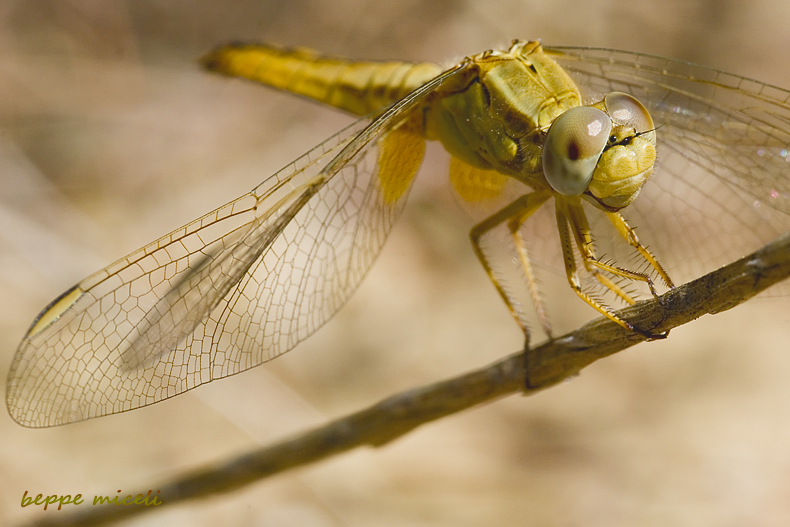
(627, 111)
(573, 145)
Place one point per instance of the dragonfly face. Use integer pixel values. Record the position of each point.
(627, 159)
(247, 282)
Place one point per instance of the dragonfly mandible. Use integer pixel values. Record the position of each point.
(699, 156)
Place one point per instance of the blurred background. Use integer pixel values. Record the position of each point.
(111, 135)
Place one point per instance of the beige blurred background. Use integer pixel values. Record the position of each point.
(110, 135)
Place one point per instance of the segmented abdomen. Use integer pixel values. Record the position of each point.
(354, 86)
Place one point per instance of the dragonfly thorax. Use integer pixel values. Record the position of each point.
(497, 116)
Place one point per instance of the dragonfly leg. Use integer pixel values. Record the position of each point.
(521, 208)
(581, 231)
(629, 235)
(570, 216)
(523, 255)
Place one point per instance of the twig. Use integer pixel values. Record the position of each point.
(547, 365)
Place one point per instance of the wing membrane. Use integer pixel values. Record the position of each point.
(235, 288)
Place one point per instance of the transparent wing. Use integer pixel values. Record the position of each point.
(721, 186)
(235, 288)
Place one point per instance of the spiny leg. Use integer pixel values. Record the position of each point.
(581, 231)
(564, 220)
(571, 213)
(579, 225)
(629, 235)
(518, 241)
(522, 207)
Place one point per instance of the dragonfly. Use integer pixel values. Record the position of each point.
(613, 139)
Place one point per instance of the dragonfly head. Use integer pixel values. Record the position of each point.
(604, 152)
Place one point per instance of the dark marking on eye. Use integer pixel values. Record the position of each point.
(573, 151)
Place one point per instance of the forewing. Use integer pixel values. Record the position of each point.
(226, 292)
(124, 338)
(721, 186)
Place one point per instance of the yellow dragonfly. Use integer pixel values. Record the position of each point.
(698, 155)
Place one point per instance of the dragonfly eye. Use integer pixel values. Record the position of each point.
(573, 145)
(627, 111)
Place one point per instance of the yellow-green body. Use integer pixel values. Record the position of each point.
(357, 87)
(493, 116)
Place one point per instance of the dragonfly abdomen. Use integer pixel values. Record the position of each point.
(357, 87)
